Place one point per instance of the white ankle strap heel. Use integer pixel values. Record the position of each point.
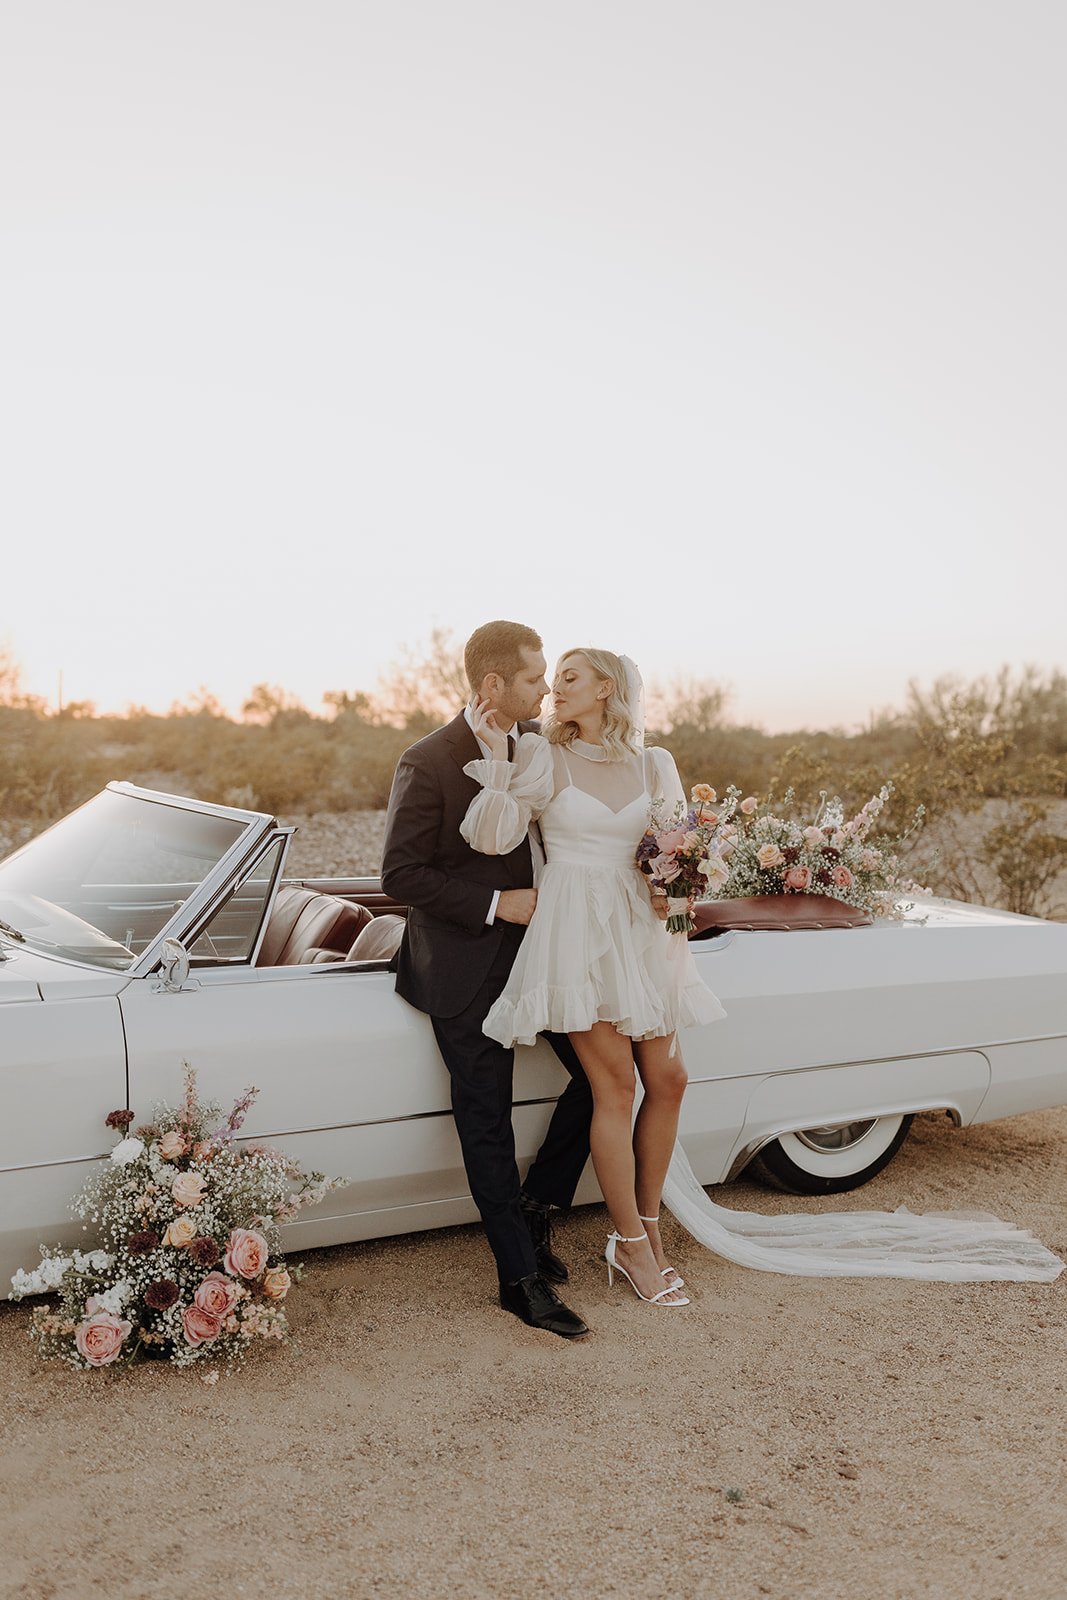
(679, 1281)
(614, 1267)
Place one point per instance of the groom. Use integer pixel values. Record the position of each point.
(468, 913)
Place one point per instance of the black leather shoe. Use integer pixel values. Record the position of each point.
(536, 1217)
(538, 1304)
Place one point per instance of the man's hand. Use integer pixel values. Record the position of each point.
(516, 905)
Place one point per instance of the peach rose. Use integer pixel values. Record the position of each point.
(748, 805)
(246, 1253)
(276, 1283)
(842, 878)
(673, 839)
(813, 837)
(798, 878)
(100, 1339)
(702, 792)
(769, 855)
(172, 1145)
(188, 1188)
(200, 1325)
(182, 1231)
(217, 1294)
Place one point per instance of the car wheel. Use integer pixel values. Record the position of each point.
(830, 1159)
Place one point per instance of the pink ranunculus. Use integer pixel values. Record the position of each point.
(100, 1339)
(188, 1188)
(769, 855)
(708, 819)
(172, 1145)
(748, 805)
(673, 839)
(200, 1325)
(798, 878)
(217, 1294)
(246, 1253)
(842, 878)
(665, 868)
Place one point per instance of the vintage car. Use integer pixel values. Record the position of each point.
(145, 930)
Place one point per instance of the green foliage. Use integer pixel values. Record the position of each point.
(957, 748)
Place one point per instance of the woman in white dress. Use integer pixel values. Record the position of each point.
(596, 962)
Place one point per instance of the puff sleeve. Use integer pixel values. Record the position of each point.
(513, 793)
(667, 791)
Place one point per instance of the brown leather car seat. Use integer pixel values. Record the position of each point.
(303, 920)
(378, 940)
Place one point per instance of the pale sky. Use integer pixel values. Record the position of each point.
(728, 335)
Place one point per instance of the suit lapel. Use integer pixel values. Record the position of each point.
(463, 744)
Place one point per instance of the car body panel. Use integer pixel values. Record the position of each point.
(955, 1007)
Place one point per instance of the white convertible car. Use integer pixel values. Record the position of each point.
(145, 929)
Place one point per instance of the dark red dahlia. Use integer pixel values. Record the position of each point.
(830, 853)
(791, 853)
(142, 1244)
(204, 1251)
(161, 1295)
(822, 875)
(119, 1120)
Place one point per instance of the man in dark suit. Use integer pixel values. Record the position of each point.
(468, 913)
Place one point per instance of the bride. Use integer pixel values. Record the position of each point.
(597, 964)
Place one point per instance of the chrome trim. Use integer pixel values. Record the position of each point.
(875, 1061)
(195, 928)
(805, 1135)
(184, 803)
(289, 1133)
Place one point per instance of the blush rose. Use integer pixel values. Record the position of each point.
(770, 856)
(246, 1253)
(842, 878)
(172, 1145)
(180, 1232)
(217, 1294)
(101, 1337)
(200, 1325)
(798, 878)
(276, 1283)
(672, 839)
(188, 1188)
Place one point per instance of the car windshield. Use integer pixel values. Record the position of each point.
(100, 885)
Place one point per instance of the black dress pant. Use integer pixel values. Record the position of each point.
(482, 1073)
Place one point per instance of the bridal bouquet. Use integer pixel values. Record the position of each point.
(831, 855)
(681, 853)
(187, 1265)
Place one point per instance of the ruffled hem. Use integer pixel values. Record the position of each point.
(551, 1008)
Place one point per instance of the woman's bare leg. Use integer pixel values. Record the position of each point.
(664, 1079)
(607, 1059)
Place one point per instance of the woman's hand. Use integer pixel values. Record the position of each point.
(484, 719)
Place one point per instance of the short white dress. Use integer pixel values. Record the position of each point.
(594, 950)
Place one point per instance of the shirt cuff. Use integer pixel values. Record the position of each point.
(491, 918)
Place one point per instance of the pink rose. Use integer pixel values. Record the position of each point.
(813, 837)
(748, 805)
(217, 1294)
(188, 1188)
(200, 1325)
(276, 1283)
(665, 868)
(246, 1253)
(798, 878)
(708, 819)
(769, 855)
(842, 878)
(172, 1145)
(673, 839)
(100, 1339)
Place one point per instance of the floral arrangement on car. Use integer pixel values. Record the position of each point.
(188, 1264)
(831, 855)
(682, 854)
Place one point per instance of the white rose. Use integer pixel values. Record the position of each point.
(128, 1150)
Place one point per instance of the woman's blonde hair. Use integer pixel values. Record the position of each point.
(617, 729)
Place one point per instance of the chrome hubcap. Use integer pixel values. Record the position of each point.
(836, 1135)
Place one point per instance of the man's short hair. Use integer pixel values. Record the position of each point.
(497, 647)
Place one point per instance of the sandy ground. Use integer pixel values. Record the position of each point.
(784, 1437)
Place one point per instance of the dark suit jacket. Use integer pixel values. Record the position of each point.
(448, 948)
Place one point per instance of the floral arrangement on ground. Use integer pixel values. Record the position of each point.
(188, 1263)
(738, 848)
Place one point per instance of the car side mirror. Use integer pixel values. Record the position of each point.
(174, 968)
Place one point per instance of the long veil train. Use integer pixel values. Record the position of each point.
(947, 1246)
